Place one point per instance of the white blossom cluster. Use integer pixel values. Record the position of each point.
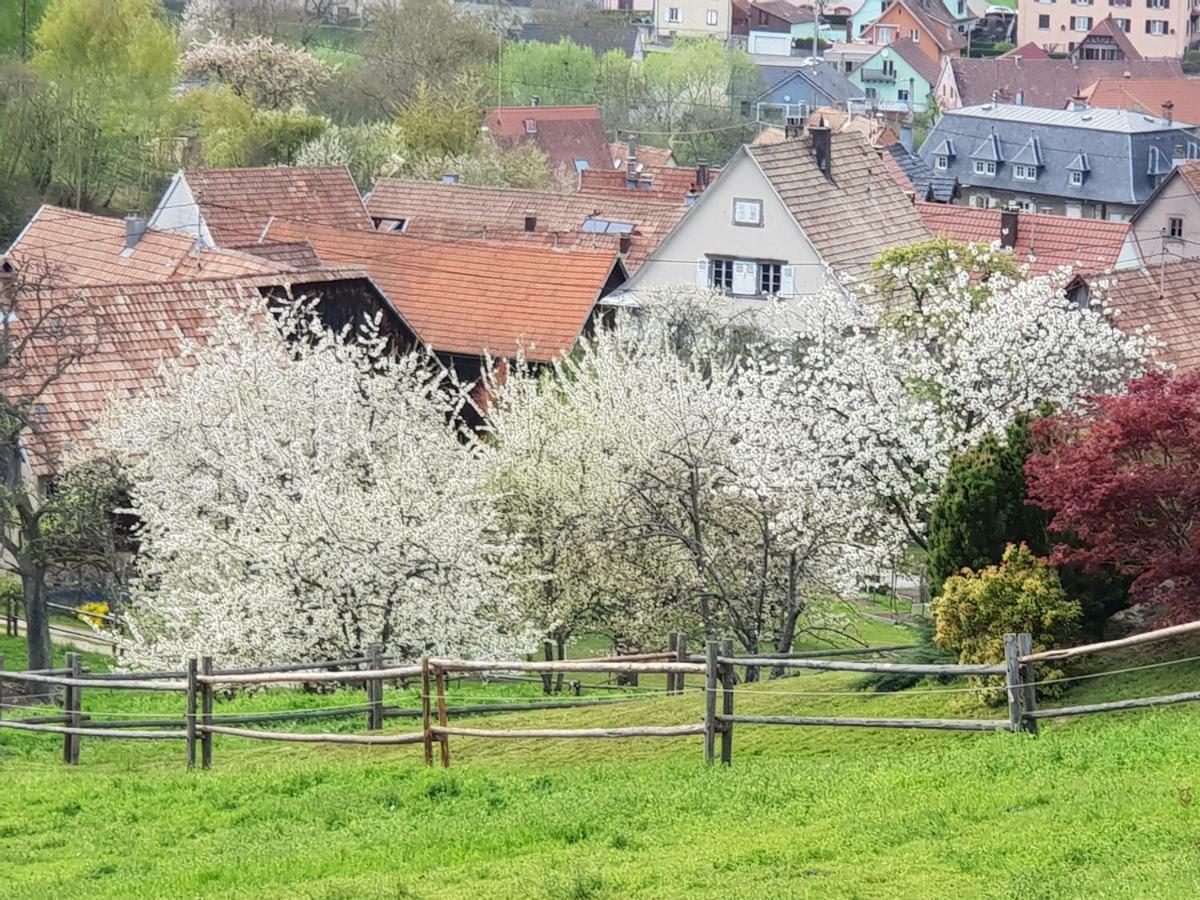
(302, 500)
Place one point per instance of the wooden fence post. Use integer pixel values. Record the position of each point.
(71, 707)
(426, 717)
(1028, 678)
(206, 714)
(10, 619)
(727, 675)
(1, 686)
(374, 688)
(1012, 677)
(710, 703)
(443, 718)
(190, 714)
(680, 656)
(672, 647)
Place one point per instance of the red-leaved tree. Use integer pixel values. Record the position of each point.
(1122, 482)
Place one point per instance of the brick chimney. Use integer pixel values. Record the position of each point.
(1008, 228)
(701, 175)
(822, 147)
(631, 169)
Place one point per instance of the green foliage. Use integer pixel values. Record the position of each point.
(488, 165)
(371, 151)
(562, 74)
(231, 132)
(905, 276)
(1021, 594)
(440, 121)
(10, 22)
(981, 507)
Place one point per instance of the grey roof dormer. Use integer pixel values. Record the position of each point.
(945, 148)
(1030, 154)
(1079, 163)
(989, 150)
(1159, 163)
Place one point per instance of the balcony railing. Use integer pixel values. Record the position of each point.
(873, 74)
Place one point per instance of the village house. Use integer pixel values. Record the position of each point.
(925, 23)
(1038, 242)
(643, 154)
(787, 219)
(914, 176)
(1090, 163)
(692, 19)
(794, 91)
(633, 225)
(572, 137)
(475, 299)
(776, 26)
(231, 207)
(1153, 29)
(899, 78)
(1178, 97)
(1050, 83)
(1167, 225)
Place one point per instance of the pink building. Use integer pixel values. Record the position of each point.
(1152, 29)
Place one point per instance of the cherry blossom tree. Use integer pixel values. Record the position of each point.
(301, 500)
(268, 74)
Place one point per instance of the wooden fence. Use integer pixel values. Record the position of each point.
(200, 680)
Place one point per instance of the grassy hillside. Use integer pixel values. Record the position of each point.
(1098, 807)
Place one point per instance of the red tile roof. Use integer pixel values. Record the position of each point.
(1030, 50)
(1043, 243)
(126, 332)
(472, 298)
(664, 183)
(1165, 300)
(1107, 28)
(238, 203)
(66, 247)
(455, 211)
(1050, 83)
(564, 133)
(1147, 95)
(648, 156)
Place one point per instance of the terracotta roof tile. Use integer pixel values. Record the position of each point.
(1147, 95)
(1049, 83)
(1044, 242)
(67, 247)
(850, 218)
(471, 298)
(456, 211)
(1108, 28)
(1166, 301)
(647, 156)
(664, 183)
(564, 133)
(238, 203)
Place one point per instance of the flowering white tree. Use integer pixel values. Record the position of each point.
(301, 500)
(651, 485)
(269, 74)
(963, 344)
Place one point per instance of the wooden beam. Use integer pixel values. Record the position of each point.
(839, 721)
(312, 677)
(573, 665)
(1116, 705)
(556, 733)
(415, 737)
(897, 668)
(1161, 634)
(97, 732)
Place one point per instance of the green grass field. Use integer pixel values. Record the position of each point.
(1096, 807)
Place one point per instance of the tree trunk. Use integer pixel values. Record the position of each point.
(37, 619)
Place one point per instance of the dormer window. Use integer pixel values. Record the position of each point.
(985, 167)
(1024, 172)
(531, 126)
(1076, 179)
(941, 162)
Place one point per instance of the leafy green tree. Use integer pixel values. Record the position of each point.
(488, 165)
(441, 121)
(110, 67)
(231, 132)
(562, 74)
(1021, 594)
(981, 508)
(17, 18)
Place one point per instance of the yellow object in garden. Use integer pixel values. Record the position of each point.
(92, 613)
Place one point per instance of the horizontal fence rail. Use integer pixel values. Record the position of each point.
(719, 665)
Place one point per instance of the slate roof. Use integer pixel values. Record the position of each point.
(473, 297)
(669, 184)
(1147, 95)
(599, 37)
(431, 209)
(238, 203)
(128, 332)
(1124, 149)
(913, 174)
(1166, 300)
(1045, 82)
(564, 133)
(823, 76)
(66, 247)
(1043, 242)
(850, 217)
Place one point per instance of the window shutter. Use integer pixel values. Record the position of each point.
(702, 277)
(787, 281)
(745, 277)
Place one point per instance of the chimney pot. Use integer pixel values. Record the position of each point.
(1008, 228)
(822, 147)
(530, 221)
(535, 100)
(631, 166)
(1168, 109)
(135, 227)
(701, 175)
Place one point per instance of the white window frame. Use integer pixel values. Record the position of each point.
(1152, 26)
(914, 35)
(674, 15)
(1085, 27)
(1171, 222)
(747, 212)
(745, 278)
(711, 17)
(941, 162)
(1076, 179)
(984, 167)
(1022, 172)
